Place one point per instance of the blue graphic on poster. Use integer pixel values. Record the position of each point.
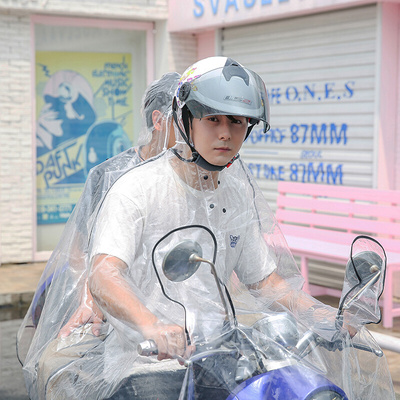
(84, 111)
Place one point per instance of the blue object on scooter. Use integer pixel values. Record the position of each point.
(291, 382)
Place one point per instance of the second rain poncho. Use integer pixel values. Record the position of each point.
(65, 275)
(213, 329)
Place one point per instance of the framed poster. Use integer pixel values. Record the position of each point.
(84, 116)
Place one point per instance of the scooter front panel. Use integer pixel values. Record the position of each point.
(291, 382)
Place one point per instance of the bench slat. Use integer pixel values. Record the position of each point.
(371, 210)
(341, 192)
(333, 236)
(339, 222)
(317, 234)
(333, 250)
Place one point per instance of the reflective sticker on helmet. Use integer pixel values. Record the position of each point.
(238, 99)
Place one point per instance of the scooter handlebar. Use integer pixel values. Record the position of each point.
(333, 345)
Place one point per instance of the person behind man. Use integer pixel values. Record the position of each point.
(156, 136)
(69, 262)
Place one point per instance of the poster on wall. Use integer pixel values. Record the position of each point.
(83, 117)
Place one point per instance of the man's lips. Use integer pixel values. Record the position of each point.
(222, 148)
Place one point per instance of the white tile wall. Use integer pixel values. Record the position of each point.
(127, 9)
(16, 193)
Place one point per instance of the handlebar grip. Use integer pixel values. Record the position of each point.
(147, 348)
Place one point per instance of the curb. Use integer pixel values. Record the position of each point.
(15, 299)
(18, 283)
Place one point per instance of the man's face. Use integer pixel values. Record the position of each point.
(218, 138)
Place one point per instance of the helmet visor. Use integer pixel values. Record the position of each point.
(214, 94)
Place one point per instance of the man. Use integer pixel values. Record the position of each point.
(197, 187)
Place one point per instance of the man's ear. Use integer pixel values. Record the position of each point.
(157, 119)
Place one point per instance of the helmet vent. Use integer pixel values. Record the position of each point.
(233, 68)
(184, 91)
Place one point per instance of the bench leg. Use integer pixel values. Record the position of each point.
(304, 272)
(388, 300)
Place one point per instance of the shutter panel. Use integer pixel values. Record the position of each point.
(320, 73)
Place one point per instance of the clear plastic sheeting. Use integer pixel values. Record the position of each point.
(181, 286)
(257, 334)
(67, 268)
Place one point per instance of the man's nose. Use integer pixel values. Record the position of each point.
(224, 130)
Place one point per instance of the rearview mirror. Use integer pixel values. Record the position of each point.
(178, 263)
(364, 280)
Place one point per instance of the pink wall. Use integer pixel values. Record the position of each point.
(199, 15)
(397, 186)
(388, 102)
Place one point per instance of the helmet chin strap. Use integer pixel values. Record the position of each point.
(203, 163)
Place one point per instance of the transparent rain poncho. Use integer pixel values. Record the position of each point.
(66, 270)
(146, 213)
(234, 326)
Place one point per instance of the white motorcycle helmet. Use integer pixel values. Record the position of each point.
(219, 86)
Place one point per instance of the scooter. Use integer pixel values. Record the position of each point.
(275, 358)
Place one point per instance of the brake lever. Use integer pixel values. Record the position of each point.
(377, 352)
(338, 344)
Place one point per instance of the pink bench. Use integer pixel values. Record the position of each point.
(321, 221)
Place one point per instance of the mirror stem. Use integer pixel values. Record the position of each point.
(196, 258)
(362, 290)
